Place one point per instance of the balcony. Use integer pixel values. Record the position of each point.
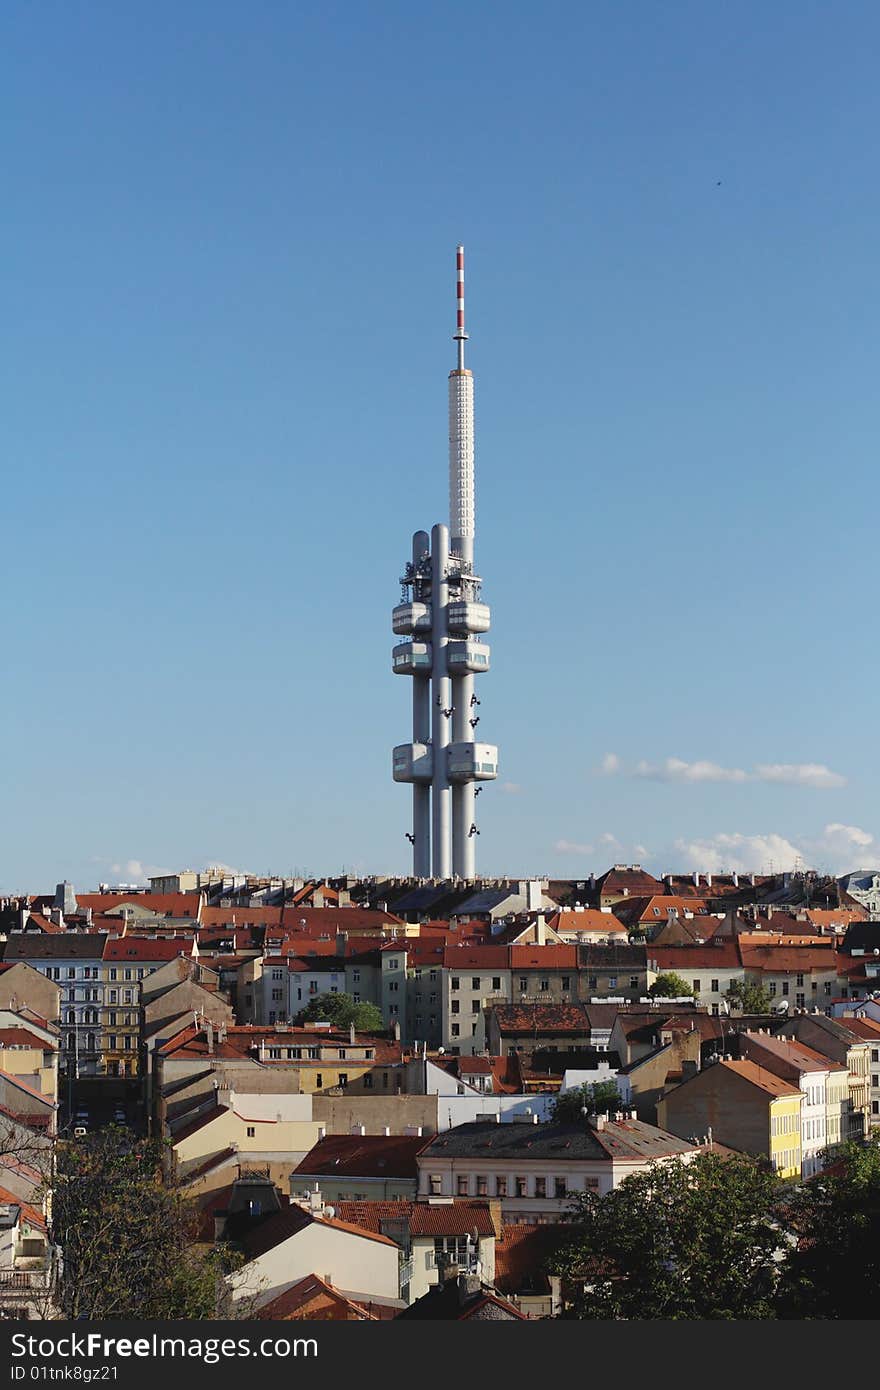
(412, 762)
(468, 617)
(465, 1264)
(412, 659)
(411, 617)
(472, 762)
(462, 657)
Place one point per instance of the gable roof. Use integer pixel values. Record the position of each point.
(293, 1219)
(304, 1292)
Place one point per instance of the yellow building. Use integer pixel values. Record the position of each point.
(743, 1106)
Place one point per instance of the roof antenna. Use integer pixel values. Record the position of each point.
(459, 336)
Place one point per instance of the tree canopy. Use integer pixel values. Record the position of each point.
(750, 996)
(834, 1271)
(127, 1236)
(670, 985)
(598, 1097)
(678, 1241)
(343, 1011)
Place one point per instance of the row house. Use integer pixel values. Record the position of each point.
(823, 1083)
(865, 1024)
(832, 1038)
(709, 970)
(741, 1105)
(99, 977)
(805, 976)
(534, 1170)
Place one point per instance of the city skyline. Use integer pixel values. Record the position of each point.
(222, 422)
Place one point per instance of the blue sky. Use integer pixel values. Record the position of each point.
(228, 247)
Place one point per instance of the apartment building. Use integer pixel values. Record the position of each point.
(823, 1084)
(741, 1105)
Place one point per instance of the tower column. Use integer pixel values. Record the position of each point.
(421, 733)
(441, 792)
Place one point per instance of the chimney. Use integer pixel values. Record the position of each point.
(596, 1121)
(387, 1131)
(351, 1037)
(396, 1031)
(358, 1129)
(696, 878)
(209, 1034)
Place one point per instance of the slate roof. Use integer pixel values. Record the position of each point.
(63, 946)
(627, 1139)
(449, 1218)
(542, 1019)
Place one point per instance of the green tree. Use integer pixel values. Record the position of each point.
(669, 985)
(677, 1241)
(128, 1238)
(834, 1270)
(343, 1011)
(598, 1097)
(748, 996)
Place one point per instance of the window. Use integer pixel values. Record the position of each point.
(523, 984)
(111, 1043)
(475, 1006)
(462, 1185)
(540, 1187)
(713, 986)
(393, 987)
(71, 973)
(356, 976)
(275, 1054)
(342, 1054)
(126, 996)
(113, 972)
(799, 980)
(456, 1006)
(454, 982)
(593, 981)
(368, 1081)
(127, 974)
(496, 982)
(343, 1078)
(394, 1008)
(475, 982)
(612, 982)
(277, 975)
(319, 1081)
(251, 1131)
(785, 986)
(436, 1182)
(393, 964)
(276, 995)
(772, 989)
(455, 1030)
(696, 985)
(522, 1185)
(875, 1054)
(112, 1018)
(356, 997)
(559, 1188)
(633, 981)
(129, 1043)
(545, 985)
(799, 1000)
(827, 986)
(566, 982)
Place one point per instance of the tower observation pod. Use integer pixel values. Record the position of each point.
(441, 619)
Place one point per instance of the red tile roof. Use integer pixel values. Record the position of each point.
(149, 948)
(20, 1037)
(424, 1218)
(363, 1156)
(296, 1300)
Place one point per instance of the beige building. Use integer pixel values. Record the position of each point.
(742, 1106)
(23, 986)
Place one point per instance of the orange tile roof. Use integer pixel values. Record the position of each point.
(762, 1078)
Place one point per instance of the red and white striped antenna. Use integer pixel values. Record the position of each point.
(459, 335)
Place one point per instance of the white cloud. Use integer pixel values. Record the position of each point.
(849, 834)
(835, 850)
(606, 838)
(572, 847)
(799, 775)
(737, 853)
(780, 774)
(609, 765)
(676, 770)
(511, 788)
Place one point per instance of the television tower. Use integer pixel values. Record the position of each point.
(442, 617)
